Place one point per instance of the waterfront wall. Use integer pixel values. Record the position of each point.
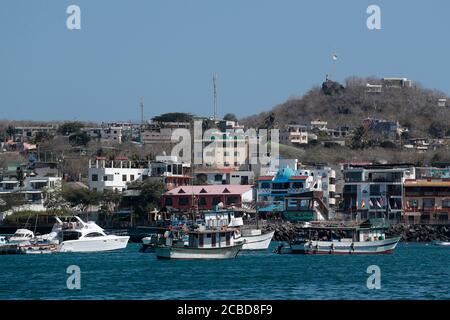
(409, 233)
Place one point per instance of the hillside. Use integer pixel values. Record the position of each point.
(415, 108)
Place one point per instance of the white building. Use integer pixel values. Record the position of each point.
(397, 82)
(115, 175)
(294, 133)
(32, 191)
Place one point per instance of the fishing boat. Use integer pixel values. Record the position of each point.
(256, 239)
(442, 243)
(366, 238)
(75, 235)
(202, 243)
(253, 238)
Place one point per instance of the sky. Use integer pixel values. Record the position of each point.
(166, 52)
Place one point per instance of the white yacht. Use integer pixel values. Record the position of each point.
(21, 236)
(75, 235)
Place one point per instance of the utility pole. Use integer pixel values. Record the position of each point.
(215, 95)
(142, 120)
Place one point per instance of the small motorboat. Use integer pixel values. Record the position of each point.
(3, 241)
(442, 243)
(21, 236)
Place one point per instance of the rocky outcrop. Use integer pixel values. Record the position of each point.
(409, 233)
(420, 233)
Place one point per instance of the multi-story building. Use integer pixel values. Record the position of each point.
(27, 133)
(223, 149)
(295, 134)
(161, 132)
(223, 176)
(293, 193)
(375, 191)
(391, 129)
(397, 82)
(427, 200)
(107, 134)
(319, 125)
(116, 174)
(31, 190)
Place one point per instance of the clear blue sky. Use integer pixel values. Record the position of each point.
(167, 50)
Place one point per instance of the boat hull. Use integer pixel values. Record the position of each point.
(173, 252)
(328, 247)
(108, 243)
(442, 243)
(257, 242)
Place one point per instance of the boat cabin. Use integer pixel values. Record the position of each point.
(361, 233)
(211, 238)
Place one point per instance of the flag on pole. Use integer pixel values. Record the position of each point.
(334, 57)
(395, 204)
(370, 202)
(378, 204)
(363, 205)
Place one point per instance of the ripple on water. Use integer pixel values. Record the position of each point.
(414, 271)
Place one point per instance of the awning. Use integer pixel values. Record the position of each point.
(270, 208)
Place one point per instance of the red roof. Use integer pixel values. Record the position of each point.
(266, 178)
(211, 189)
(298, 178)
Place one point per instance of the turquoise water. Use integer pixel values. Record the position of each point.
(413, 271)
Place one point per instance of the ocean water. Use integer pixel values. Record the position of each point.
(413, 271)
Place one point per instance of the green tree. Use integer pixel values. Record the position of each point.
(69, 128)
(79, 139)
(10, 200)
(42, 137)
(149, 197)
(11, 131)
(109, 201)
(80, 198)
(174, 117)
(437, 129)
(359, 140)
(230, 117)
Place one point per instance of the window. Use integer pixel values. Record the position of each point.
(280, 186)
(353, 176)
(375, 190)
(428, 203)
(132, 177)
(93, 235)
(218, 177)
(446, 203)
(232, 200)
(94, 177)
(168, 201)
(265, 185)
(124, 177)
(202, 201)
(213, 240)
(183, 201)
(297, 185)
(105, 178)
(216, 200)
(413, 203)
